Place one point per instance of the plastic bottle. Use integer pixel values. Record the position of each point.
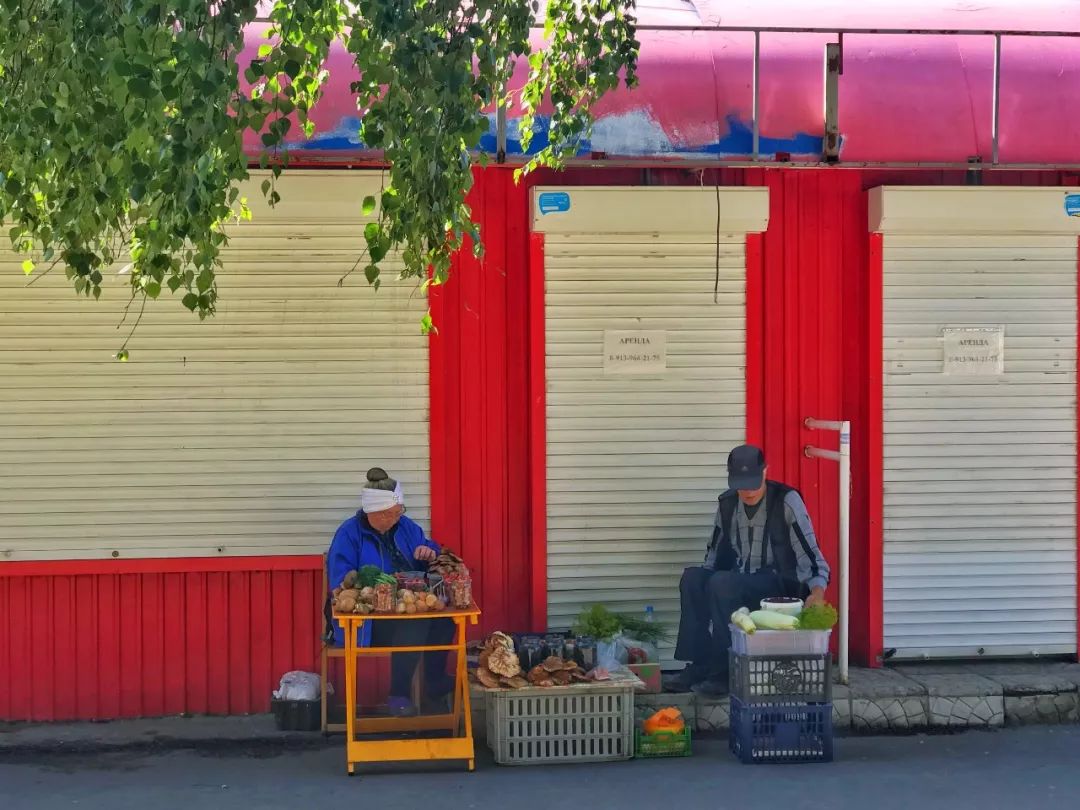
(649, 617)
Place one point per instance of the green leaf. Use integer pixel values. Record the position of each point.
(28, 266)
(174, 283)
(371, 232)
(265, 50)
(123, 356)
(368, 207)
(191, 301)
(153, 289)
(371, 273)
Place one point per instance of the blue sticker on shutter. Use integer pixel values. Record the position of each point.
(1072, 205)
(558, 202)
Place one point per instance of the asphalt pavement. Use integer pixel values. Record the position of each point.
(1029, 768)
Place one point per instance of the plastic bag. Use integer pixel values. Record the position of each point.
(298, 685)
(611, 654)
(640, 652)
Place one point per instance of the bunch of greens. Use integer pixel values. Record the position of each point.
(818, 617)
(372, 575)
(602, 624)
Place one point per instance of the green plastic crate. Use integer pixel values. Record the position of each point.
(664, 744)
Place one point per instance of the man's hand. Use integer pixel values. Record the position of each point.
(424, 554)
(816, 597)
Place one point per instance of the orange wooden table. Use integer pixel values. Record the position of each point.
(459, 745)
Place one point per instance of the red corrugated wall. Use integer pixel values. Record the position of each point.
(91, 640)
(101, 639)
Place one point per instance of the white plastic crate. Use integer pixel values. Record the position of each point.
(538, 726)
(780, 642)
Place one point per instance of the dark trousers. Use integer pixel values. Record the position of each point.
(415, 633)
(708, 599)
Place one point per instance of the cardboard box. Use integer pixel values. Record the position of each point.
(650, 676)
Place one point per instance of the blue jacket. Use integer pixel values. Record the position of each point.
(356, 545)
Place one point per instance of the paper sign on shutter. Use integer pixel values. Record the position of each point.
(974, 352)
(635, 352)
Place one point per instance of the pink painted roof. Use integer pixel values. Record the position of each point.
(902, 98)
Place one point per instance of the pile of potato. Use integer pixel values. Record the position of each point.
(410, 602)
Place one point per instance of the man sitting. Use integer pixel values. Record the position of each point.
(763, 545)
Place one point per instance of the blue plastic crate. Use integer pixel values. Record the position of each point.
(781, 732)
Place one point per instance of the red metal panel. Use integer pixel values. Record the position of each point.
(538, 431)
(479, 446)
(149, 644)
(1078, 471)
(755, 340)
(874, 571)
(517, 399)
(16, 628)
(172, 642)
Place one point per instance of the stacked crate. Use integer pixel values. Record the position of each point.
(781, 696)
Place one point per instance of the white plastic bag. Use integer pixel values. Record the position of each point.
(611, 654)
(298, 685)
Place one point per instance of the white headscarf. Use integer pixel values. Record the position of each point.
(379, 500)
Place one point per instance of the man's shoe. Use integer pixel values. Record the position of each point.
(401, 707)
(711, 688)
(684, 681)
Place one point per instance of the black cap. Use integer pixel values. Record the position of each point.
(746, 467)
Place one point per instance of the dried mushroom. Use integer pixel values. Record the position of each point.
(552, 664)
(503, 662)
(497, 640)
(517, 682)
(562, 678)
(487, 679)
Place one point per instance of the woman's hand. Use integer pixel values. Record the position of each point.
(424, 554)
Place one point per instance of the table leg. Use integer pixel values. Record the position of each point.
(459, 660)
(350, 687)
(463, 689)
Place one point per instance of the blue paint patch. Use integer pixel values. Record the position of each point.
(739, 141)
(489, 141)
(553, 202)
(345, 137)
(1072, 205)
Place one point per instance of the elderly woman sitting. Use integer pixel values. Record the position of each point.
(380, 534)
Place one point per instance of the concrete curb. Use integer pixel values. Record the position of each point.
(898, 700)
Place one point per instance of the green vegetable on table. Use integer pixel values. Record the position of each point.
(603, 625)
(637, 628)
(372, 575)
(818, 617)
(770, 620)
(741, 619)
(599, 622)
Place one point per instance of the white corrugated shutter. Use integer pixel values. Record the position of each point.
(635, 463)
(247, 434)
(979, 471)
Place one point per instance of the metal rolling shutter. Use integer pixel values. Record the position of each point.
(980, 472)
(247, 434)
(635, 463)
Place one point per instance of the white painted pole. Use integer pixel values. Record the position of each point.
(845, 546)
(843, 456)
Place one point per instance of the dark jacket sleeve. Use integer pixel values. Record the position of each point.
(721, 553)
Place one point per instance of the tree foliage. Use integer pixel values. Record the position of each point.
(122, 121)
